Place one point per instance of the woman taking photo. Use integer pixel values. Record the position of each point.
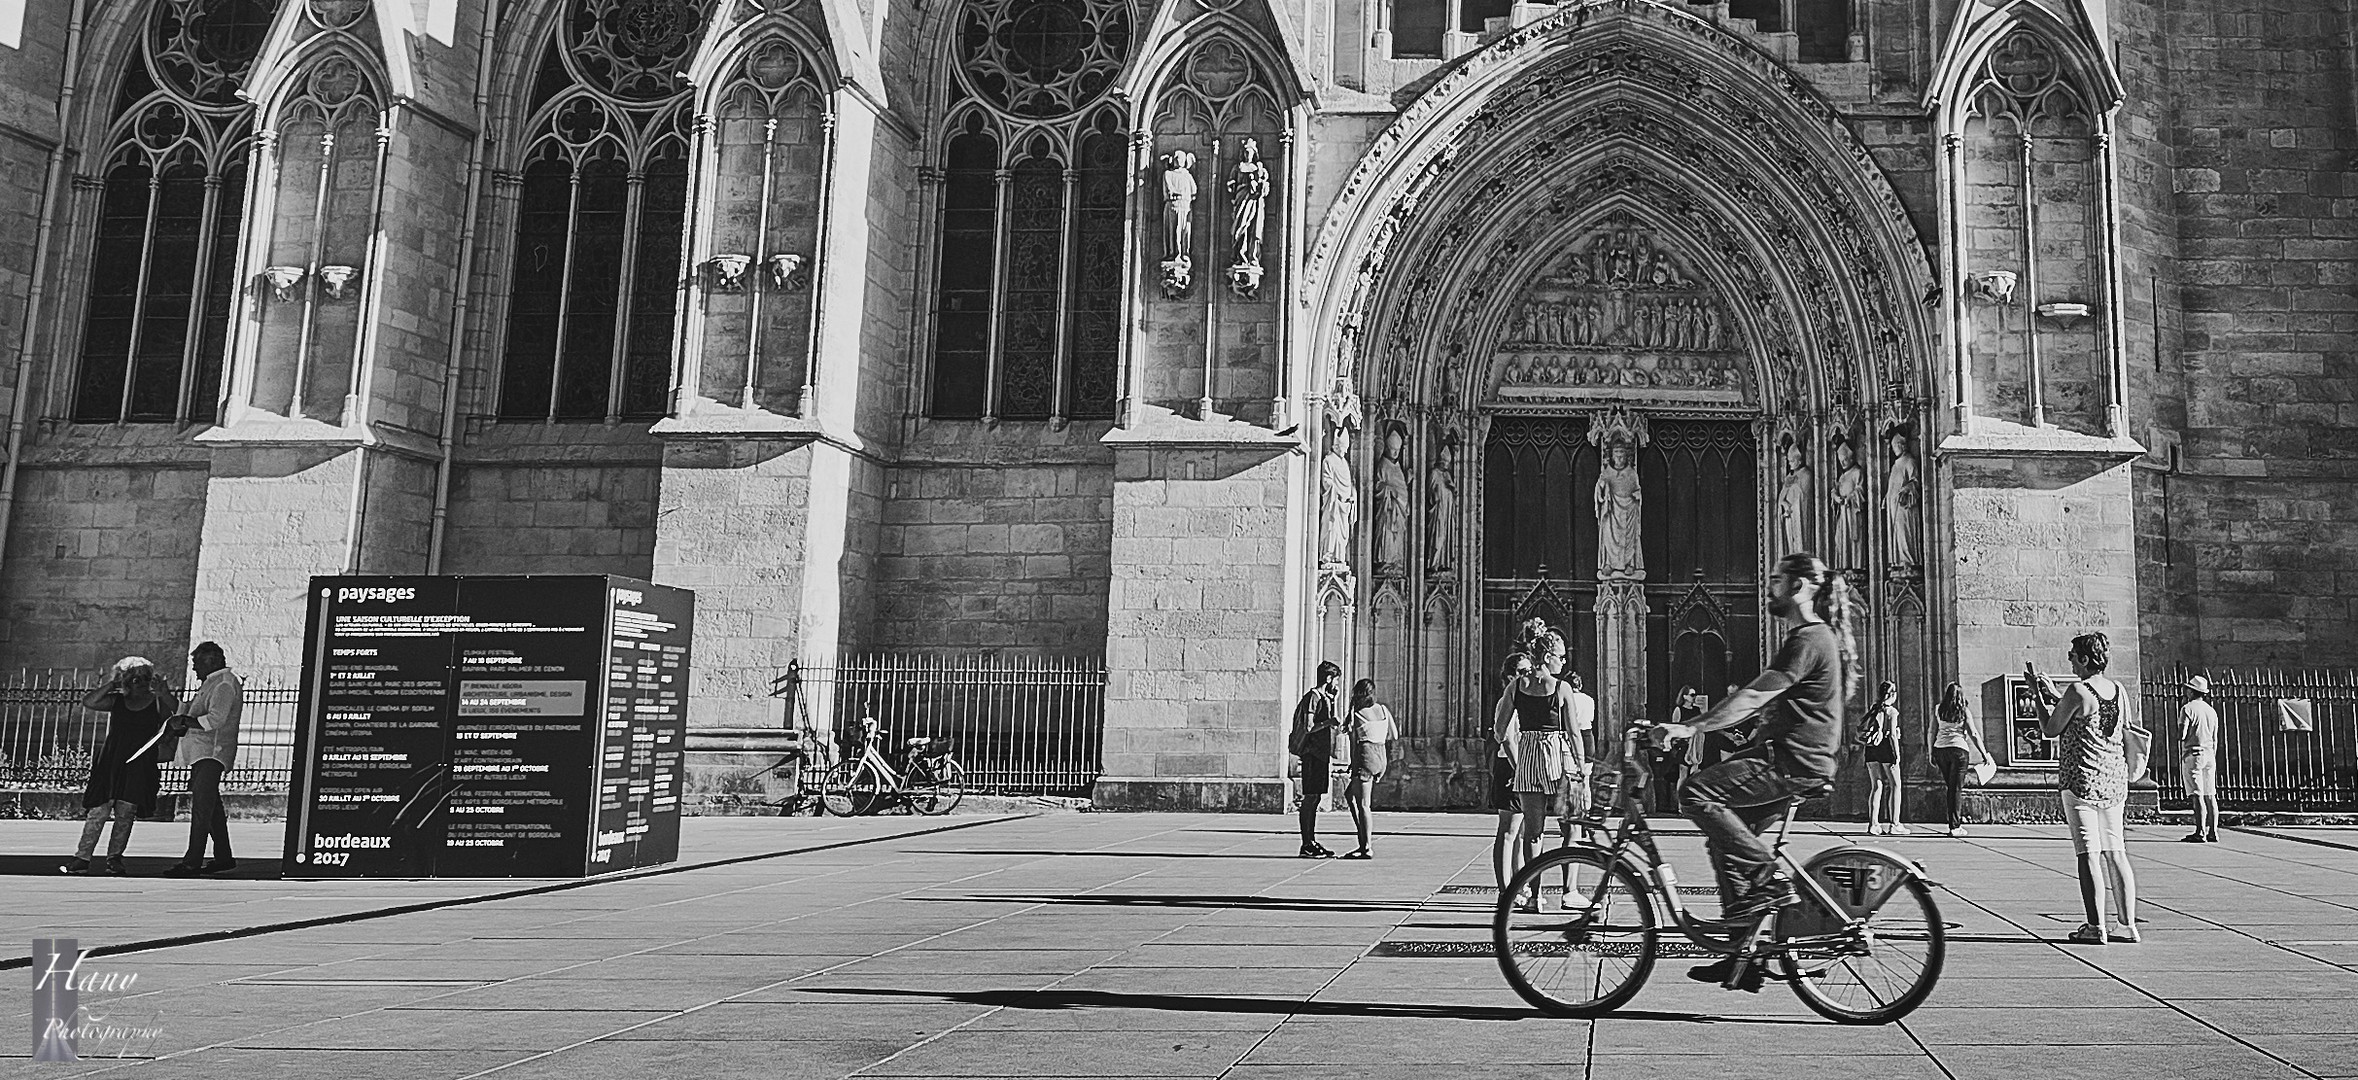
(1879, 736)
(2087, 720)
(1956, 748)
(1369, 728)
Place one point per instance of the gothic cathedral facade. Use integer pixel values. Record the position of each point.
(1219, 337)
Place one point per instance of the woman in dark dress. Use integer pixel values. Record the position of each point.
(123, 773)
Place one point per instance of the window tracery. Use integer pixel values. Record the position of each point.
(325, 187)
(770, 131)
(1028, 294)
(171, 203)
(602, 202)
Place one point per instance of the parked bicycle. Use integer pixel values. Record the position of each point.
(1862, 943)
(926, 779)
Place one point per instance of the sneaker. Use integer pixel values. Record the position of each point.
(1315, 852)
(114, 865)
(185, 869)
(1898, 830)
(74, 866)
(2210, 838)
(2125, 934)
(1956, 830)
(1574, 901)
(2191, 838)
(1874, 829)
(2087, 934)
(223, 864)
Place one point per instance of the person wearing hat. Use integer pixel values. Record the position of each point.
(2198, 733)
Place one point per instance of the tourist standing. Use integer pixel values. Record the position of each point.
(208, 746)
(1502, 767)
(1370, 730)
(1674, 759)
(2088, 720)
(1956, 749)
(1312, 743)
(1549, 756)
(1879, 736)
(2198, 734)
(123, 774)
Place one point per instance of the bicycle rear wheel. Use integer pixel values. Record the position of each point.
(1575, 962)
(855, 789)
(936, 786)
(1879, 972)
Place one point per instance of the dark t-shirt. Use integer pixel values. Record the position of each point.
(1804, 724)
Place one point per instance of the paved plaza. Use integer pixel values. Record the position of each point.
(1106, 945)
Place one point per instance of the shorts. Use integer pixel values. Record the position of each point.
(1541, 761)
(2095, 826)
(1368, 761)
(1317, 777)
(1502, 786)
(1883, 753)
(2201, 771)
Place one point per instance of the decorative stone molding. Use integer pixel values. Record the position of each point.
(786, 271)
(337, 279)
(1990, 286)
(282, 281)
(728, 271)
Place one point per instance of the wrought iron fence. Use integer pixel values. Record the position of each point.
(2288, 740)
(47, 737)
(1020, 725)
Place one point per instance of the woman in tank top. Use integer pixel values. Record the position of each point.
(2088, 721)
(1956, 748)
(1549, 756)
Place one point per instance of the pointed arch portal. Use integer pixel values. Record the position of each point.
(1619, 215)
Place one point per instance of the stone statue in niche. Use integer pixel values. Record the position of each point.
(1792, 497)
(1248, 194)
(1901, 494)
(1620, 501)
(1392, 500)
(1850, 504)
(1338, 505)
(1178, 222)
(1441, 510)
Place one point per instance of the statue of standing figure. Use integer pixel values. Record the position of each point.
(1620, 500)
(1441, 511)
(1178, 221)
(1248, 192)
(1850, 505)
(1391, 505)
(1901, 494)
(1338, 490)
(1792, 498)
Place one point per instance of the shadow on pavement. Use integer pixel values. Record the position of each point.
(1115, 854)
(1058, 1000)
(1257, 903)
(141, 866)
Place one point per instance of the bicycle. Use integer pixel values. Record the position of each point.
(1861, 943)
(927, 780)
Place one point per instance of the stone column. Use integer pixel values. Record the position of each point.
(1204, 627)
(1621, 660)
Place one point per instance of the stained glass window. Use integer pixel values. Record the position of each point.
(1027, 304)
(163, 269)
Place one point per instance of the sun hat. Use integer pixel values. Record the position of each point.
(2199, 684)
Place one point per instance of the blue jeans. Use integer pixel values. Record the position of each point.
(1732, 802)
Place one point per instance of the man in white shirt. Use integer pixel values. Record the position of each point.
(208, 746)
(2198, 733)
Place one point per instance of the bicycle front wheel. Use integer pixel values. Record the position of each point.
(1879, 970)
(835, 790)
(935, 787)
(1575, 933)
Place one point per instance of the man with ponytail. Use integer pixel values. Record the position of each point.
(1803, 692)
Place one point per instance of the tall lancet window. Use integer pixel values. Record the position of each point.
(163, 270)
(1027, 302)
(603, 191)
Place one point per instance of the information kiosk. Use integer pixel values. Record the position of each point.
(489, 727)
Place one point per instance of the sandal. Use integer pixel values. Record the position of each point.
(2087, 934)
(1362, 853)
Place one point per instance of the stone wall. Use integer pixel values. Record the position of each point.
(102, 561)
(2264, 503)
(2043, 551)
(551, 519)
(995, 540)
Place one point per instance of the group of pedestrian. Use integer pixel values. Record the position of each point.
(148, 725)
(1366, 731)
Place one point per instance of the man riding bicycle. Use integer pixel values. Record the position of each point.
(1803, 690)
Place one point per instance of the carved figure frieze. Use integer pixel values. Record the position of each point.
(1902, 493)
(1612, 375)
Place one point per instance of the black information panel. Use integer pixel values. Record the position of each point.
(489, 727)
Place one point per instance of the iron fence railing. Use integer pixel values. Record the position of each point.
(2272, 756)
(1020, 725)
(47, 737)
